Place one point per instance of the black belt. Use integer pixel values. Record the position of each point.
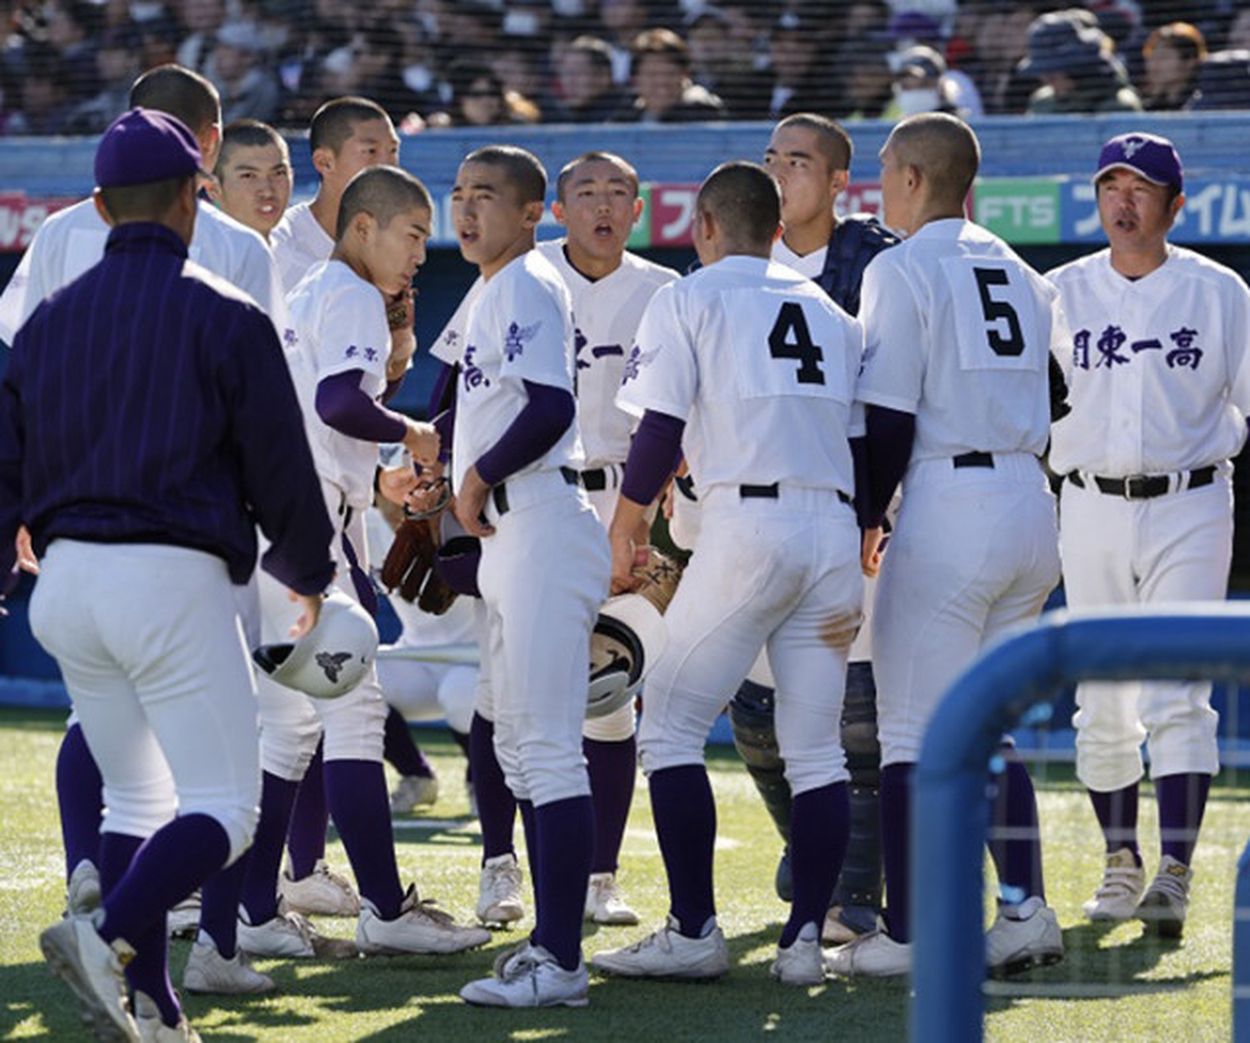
(973, 460)
(595, 480)
(771, 492)
(685, 485)
(1145, 486)
(499, 493)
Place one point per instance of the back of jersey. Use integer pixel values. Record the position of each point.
(958, 332)
(761, 365)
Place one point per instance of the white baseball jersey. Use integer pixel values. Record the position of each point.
(337, 324)
(520, 327)
(72, 240)
(299, 242)
(760, 363)
(962, 354)
(811, 264)
(1158, 377)
(606, 313)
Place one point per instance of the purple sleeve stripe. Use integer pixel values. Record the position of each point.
(653, 456)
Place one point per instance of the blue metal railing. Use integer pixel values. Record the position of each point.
(950, 817)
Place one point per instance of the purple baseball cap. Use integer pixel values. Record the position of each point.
(142, 146)
(1146, 155)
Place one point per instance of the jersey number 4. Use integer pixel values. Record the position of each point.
(790, 338)
(1012, 344)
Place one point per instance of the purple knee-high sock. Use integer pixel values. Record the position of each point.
(401, 750)
(462, 740)
(1117, 817)
(820, 826)
(1014, 841)
(219, 904)
(895, 846)
(260, 882)
(356, 791)
(1182, 801)
(685, 821)
(306, 840)
(80, 796)
(565, 831)
(529, 824)
(612, 767)
(496, 806)
(148, 971)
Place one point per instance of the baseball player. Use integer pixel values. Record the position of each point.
(810, 156)
(141, 541)
(338, 347)
(67, 244)
(516, 454)
(958, 333)
(1160, 392)
(749, 369)
(253, 175)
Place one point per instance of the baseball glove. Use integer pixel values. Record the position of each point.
(401, 310)
(409, 566)
(660, 576)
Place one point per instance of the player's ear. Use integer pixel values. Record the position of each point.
(533, 213)
(557, 211)
(364, 226)
(98, 198)
(637, 209)
(1177, 205)
(323, 161)
(213, 188)
(839, 180)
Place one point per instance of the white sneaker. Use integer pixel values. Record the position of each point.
(1166, 900)
(1033, 940)
(82, 894)
(92, 968)
(413, 791)
(183, 920)
(1122, 883)
(499, 899)
(290, 936)
(322, 892)
(834, 932)
(802, 963)
(153, 1030)
(208, 971)
(420, 927)
(604, 903)
(667, 953)
(874, 955)
(529, 976)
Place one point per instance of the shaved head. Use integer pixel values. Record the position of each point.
(834, 142)
(745, 202)
(566, 175)
(384, 193)
(945, 151)
(521, 169)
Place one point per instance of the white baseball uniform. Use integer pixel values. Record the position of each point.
(1159, 384)
(299, 242)
(958, 332)
(760, 365)
(544, 572)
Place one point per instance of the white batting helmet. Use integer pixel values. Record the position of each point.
(628, 638)
(332, 658)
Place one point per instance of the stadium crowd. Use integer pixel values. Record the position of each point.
(66, 65)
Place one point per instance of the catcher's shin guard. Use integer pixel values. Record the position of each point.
(755, 736)
(859, 886)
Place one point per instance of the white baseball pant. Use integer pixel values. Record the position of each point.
(429, 691)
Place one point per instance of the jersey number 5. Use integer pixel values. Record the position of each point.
(1011, 345)
(790, 338)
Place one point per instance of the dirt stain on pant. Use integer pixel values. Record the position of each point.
(840, 631)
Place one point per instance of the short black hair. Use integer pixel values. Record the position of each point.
(594, 48)
(247, 133)
(146, 202)
(382, 192)
(745, 200)
(178, 92)
(595, 156)
(835, 142)
(943, 148)
(335, 122)
(523, 170)
(659, 43)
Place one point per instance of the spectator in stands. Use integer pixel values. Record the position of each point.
(158, 41)
(1223, 82)
(480, 100)
(1172, 53)
(921, 85)
(865, 18)
(117, 62)
(200, 20)
(623, 21)
(1074, 61)
(419, 88)
(584, 71)
(248, 89)
(519, 63)
(803, 77)
(1002, 41)
(869, 81)
(665, 92)
(73, 26)
(44, 105)
(724, 63)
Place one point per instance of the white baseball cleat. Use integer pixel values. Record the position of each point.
(82, 894)
(666, 953)
(322, 892)
(420, 927)
(529, 976)
(93, 969)
(802, 963)
(153, 1030)
(208, 971)
(290, 936)
(183, 920)
(1122, 883)
(413, 791)
(499, 900)
(1166, 901)
(604, 903)
(874, 955)
(1031, 939)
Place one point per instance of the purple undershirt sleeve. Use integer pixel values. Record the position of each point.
(442, 409)
(542, 422)
(891, 433)
(343, 405)
(653, 456)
